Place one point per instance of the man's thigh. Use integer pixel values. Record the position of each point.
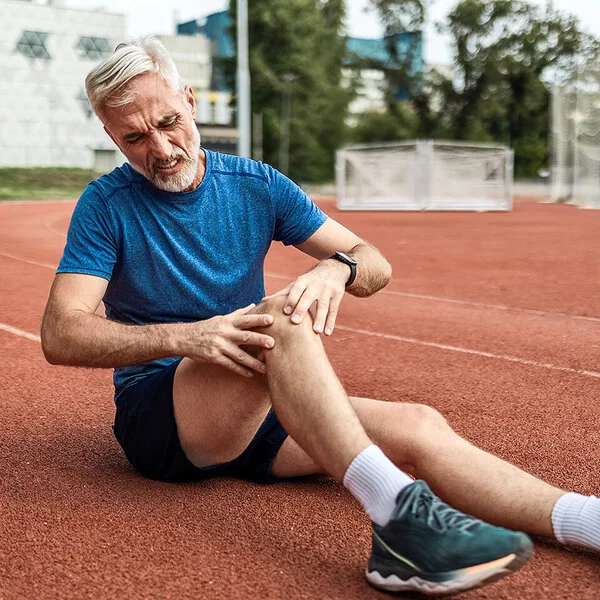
(217, 412)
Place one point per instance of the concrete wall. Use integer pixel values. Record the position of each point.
(44, 116)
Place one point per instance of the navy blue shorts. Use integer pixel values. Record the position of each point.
(146, 430)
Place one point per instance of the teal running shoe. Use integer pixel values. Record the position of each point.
(431, 548)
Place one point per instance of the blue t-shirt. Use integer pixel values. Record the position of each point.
(187, 256)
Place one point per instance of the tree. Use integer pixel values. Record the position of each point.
(296, 52)
(397, 16)
(504, 52)
(407, 105)
(385, 127)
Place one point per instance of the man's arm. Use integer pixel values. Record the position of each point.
(325, 283)
(73, 334)
(373, 271)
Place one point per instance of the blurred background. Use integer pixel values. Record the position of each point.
(324, 74)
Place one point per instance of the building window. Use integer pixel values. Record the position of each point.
(33, 45)
(94, 48)
(85, 104)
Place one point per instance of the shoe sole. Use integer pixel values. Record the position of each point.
(458, 581)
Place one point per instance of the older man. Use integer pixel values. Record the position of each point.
(211, 378)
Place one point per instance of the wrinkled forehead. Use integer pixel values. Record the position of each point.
(151, 99)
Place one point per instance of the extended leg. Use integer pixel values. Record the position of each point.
(470, 479)
(419, 439)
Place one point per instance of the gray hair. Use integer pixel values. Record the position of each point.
(106, 84)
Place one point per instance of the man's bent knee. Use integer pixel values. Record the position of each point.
(281, 322)
(428, 416)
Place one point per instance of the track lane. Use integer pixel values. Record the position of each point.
(79, 522)
(544, 340)
(538, 256)
(89, 525)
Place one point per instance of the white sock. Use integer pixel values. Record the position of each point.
(576, 520)
(375, 481)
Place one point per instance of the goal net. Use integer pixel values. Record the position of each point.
(575, 139)
(425, 175)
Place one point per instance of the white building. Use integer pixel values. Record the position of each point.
(46, 51)
(371, 86)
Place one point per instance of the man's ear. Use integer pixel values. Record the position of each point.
(190, 99)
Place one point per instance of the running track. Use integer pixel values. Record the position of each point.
(492, 318)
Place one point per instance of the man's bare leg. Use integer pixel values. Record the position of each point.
(419, 440)
(217, 412)
(313, 407)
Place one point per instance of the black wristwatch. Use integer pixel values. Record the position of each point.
(347, 261)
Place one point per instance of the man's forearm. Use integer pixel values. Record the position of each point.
(89, 340)
(373, 272)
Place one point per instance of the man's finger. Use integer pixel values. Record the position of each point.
(301, 308)
(283, 292)
(296, 292)
(253, 338)
(231, 365)
(321, 315)
(241, 357)
(244, 310)
(332, 313)
(253, 320)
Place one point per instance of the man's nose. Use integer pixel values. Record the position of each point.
(161, 147)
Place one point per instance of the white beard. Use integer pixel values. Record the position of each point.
(185, 176)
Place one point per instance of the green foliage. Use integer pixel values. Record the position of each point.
(397, 16)
(43, 183)
(503, 52)
(296, 52)
(385, 126)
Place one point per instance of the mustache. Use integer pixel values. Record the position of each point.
(177, 153)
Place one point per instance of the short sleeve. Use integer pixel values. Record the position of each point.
(91, 248)
(297, 217)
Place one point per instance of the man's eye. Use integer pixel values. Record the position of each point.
(169, 124)
(134, 140)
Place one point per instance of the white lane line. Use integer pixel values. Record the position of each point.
(397, 338)
(465, 302)
(536, 311)
(20, 332)
(389, 336)
(29, 262)
(514, 359)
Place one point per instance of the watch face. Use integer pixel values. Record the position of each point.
(345, 258)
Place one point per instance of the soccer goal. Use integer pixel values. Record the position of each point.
(575, 140)
(425, 175)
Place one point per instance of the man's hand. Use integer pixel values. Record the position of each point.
(324, 284)
(220, 339)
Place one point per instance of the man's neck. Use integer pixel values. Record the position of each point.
(200, 173)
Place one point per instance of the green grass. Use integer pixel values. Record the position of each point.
(43, 183)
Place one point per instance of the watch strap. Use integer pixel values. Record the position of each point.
(344, 258)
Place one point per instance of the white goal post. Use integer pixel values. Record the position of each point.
(425, 175)
(575, 139)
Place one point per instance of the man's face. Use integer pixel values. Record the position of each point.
(157, 133)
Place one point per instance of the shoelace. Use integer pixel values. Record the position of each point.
(421, 503)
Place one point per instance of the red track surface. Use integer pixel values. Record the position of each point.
(492, 318)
